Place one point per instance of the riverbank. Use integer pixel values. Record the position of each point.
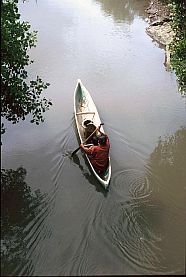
(159, 28)
(167, 26)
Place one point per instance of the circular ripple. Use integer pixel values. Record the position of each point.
(129, 222)
(132, 184)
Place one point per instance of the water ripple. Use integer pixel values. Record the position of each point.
(131, 184)
(129, 221)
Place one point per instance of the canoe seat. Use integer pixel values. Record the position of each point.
(85, 113)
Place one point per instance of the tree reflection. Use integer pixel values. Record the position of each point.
(124, 10)
(168, 161)
(167, 173)
(17, 206)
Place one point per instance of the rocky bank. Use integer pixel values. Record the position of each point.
(159, 27)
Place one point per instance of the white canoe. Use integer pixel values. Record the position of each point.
(86, 111)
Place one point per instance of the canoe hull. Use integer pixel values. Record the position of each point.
(86, 111)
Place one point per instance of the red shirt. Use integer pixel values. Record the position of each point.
(99, 156)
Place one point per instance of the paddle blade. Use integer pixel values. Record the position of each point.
(74, 152)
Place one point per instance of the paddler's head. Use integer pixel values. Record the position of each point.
(102, 140)
(95, 140)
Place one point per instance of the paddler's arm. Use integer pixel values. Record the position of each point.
(86, 149)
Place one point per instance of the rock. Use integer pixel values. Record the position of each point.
(158, 10)
(159, 28)
(161, 33)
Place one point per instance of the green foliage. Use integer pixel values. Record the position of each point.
(18, 96)
(178, 46)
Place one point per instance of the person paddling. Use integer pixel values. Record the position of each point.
(99, 154)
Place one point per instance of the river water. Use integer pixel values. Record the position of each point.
(68, 224)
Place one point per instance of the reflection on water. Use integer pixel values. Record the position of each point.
(166, 169)
(124, 10)
(140, 223)
(168, 162)
(19, 206)
(148, 224)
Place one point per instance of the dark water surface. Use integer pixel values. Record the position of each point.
(68, 224)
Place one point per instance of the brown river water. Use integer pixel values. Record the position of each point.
(69, 224)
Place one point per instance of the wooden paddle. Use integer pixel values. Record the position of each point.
(86, 140)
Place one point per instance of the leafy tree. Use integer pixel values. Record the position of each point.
(178, 46)
(18, 96)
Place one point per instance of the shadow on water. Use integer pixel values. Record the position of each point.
(92, 180)
(18, 208)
